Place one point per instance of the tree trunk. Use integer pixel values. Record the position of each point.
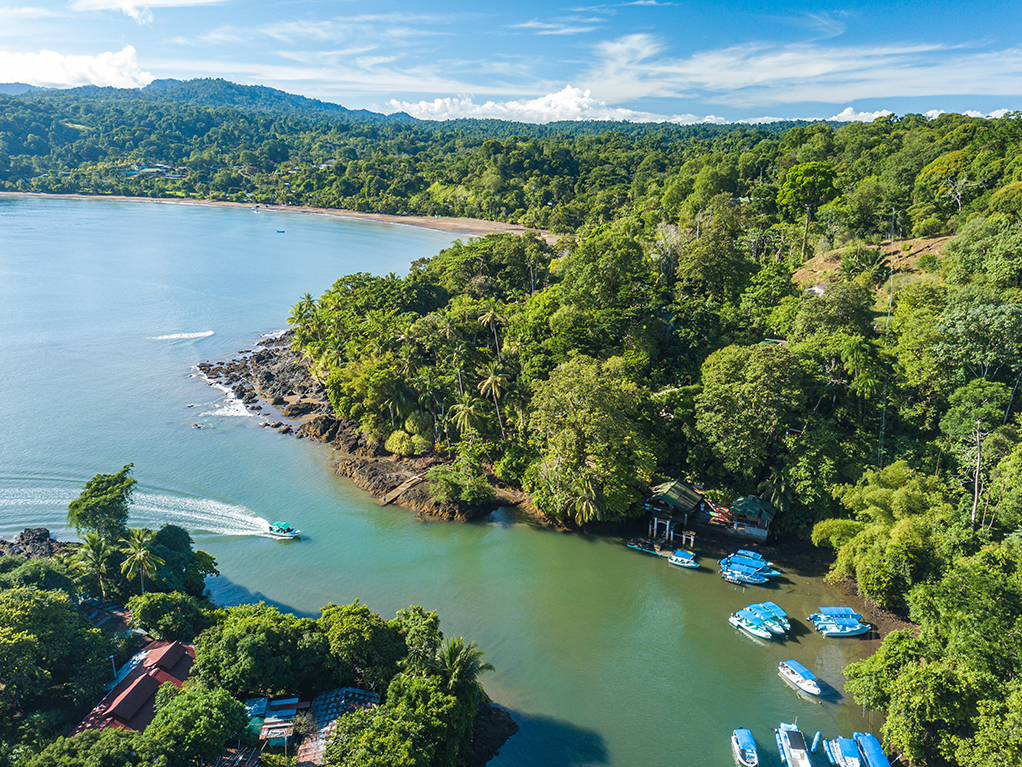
(979, 456)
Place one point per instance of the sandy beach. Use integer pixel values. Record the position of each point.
(470, 227)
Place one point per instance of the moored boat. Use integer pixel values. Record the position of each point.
(794, 672)
(753, 555)
(842, 752)
(642, 544)
(750, 624)
(682, 558)
(756, 565)
(839, 622)
(743, 745)
(779, 615)
(872, 752)
(792, 746)
(770, 620)
(741, 574)
(283, 531)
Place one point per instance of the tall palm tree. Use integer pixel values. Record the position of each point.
(587, 502)
(460, 663)
(93, 559)
(494, 383)
(138, 557)
(300, 314)
(491, 316)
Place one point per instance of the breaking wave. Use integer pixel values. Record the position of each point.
(232, 407)
(179, 336)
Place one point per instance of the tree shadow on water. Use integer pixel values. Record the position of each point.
(550, 742)
(227, 593)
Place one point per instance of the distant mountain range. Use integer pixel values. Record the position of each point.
(209, 92)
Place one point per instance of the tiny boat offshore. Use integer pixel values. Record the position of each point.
(682, 558)
(794, 672)
(744, 747)
(750, 624)
(792, 746)
(842, 752)
(283, 531)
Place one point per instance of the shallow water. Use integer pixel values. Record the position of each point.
(604, 655)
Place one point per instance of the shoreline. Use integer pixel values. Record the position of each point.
(471, 227)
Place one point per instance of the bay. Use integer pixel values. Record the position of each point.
(603, 655)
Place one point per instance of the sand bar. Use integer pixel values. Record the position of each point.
(470, 227)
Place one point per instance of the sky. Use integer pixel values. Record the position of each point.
(643, 60)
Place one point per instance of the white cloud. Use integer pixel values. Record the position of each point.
(849, 115)
(54, 70)
(139, 11)
(568, 104)
(762, 73)
(569, 27)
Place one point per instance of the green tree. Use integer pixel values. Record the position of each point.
(365, 648)
(193, 727)
(94, 558)
(112, 747)
(494, 383)
(103, 505)
(172, 617)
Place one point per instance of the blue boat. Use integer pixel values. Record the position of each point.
(757, 565)
(872, 752)
(839, 622)
(834, 612)
(842, 752)
(744, 747)
(792, 745)
(742, 574)
(750, 624)
(798, 675)
(753, 555)
(769, 619)
(774, 609)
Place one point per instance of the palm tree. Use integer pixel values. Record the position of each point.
(138, 557)
(494, 383)
(587, 504)
(466, 413)
(93, 559)
(300, 315)
(460, 663)
(490, 316)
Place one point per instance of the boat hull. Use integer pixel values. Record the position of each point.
(751, 630)
(747, 756)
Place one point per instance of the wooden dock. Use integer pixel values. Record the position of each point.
(396, 492)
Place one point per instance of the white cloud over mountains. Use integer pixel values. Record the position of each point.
(54, 70)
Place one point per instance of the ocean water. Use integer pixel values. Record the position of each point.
(603, 655)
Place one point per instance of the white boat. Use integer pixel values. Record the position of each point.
(682, 559)
(792, 745)
(743, 745)
(872, 752)
(750, 624)
(794, 672)
(284, 531)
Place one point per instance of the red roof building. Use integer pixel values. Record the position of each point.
(130, 704)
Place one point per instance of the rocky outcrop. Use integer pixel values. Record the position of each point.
(491, 729)
(33, 543)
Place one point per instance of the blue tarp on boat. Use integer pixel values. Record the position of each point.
(849, 621)
(799, 669)
(774, 608)
(871, 750)
(839, 611)
(751, 554)
(745, 739)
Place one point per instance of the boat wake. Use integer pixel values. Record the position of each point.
(180, 336)
(152, 510)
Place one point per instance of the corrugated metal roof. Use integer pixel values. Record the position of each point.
(679, 494)
(751, 507)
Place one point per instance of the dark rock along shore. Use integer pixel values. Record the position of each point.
(33, 543)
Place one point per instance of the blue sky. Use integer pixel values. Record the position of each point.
(539, 61)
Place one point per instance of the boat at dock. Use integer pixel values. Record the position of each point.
(643, 544)
(792, 745)
(682, 558)
(872, 752)
(750, 624)
(798, 675)
(743, 745)
(842, 752)
(283, 531)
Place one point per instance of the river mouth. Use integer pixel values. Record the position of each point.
(604, 655)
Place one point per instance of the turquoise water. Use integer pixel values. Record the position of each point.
(605, 656)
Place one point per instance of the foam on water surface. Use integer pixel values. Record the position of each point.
(179, 336)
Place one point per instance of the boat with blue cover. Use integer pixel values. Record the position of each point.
(842, 752)
(750, 624)
(826, 613)
(756, 565)
(798, 675)
(839, 622)
(283, 531)
(753, 555)
(681, 558)
(872, 752)
(779, 615)
(792, 745)
(769, 619)
(742, 574)
(743, 745)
